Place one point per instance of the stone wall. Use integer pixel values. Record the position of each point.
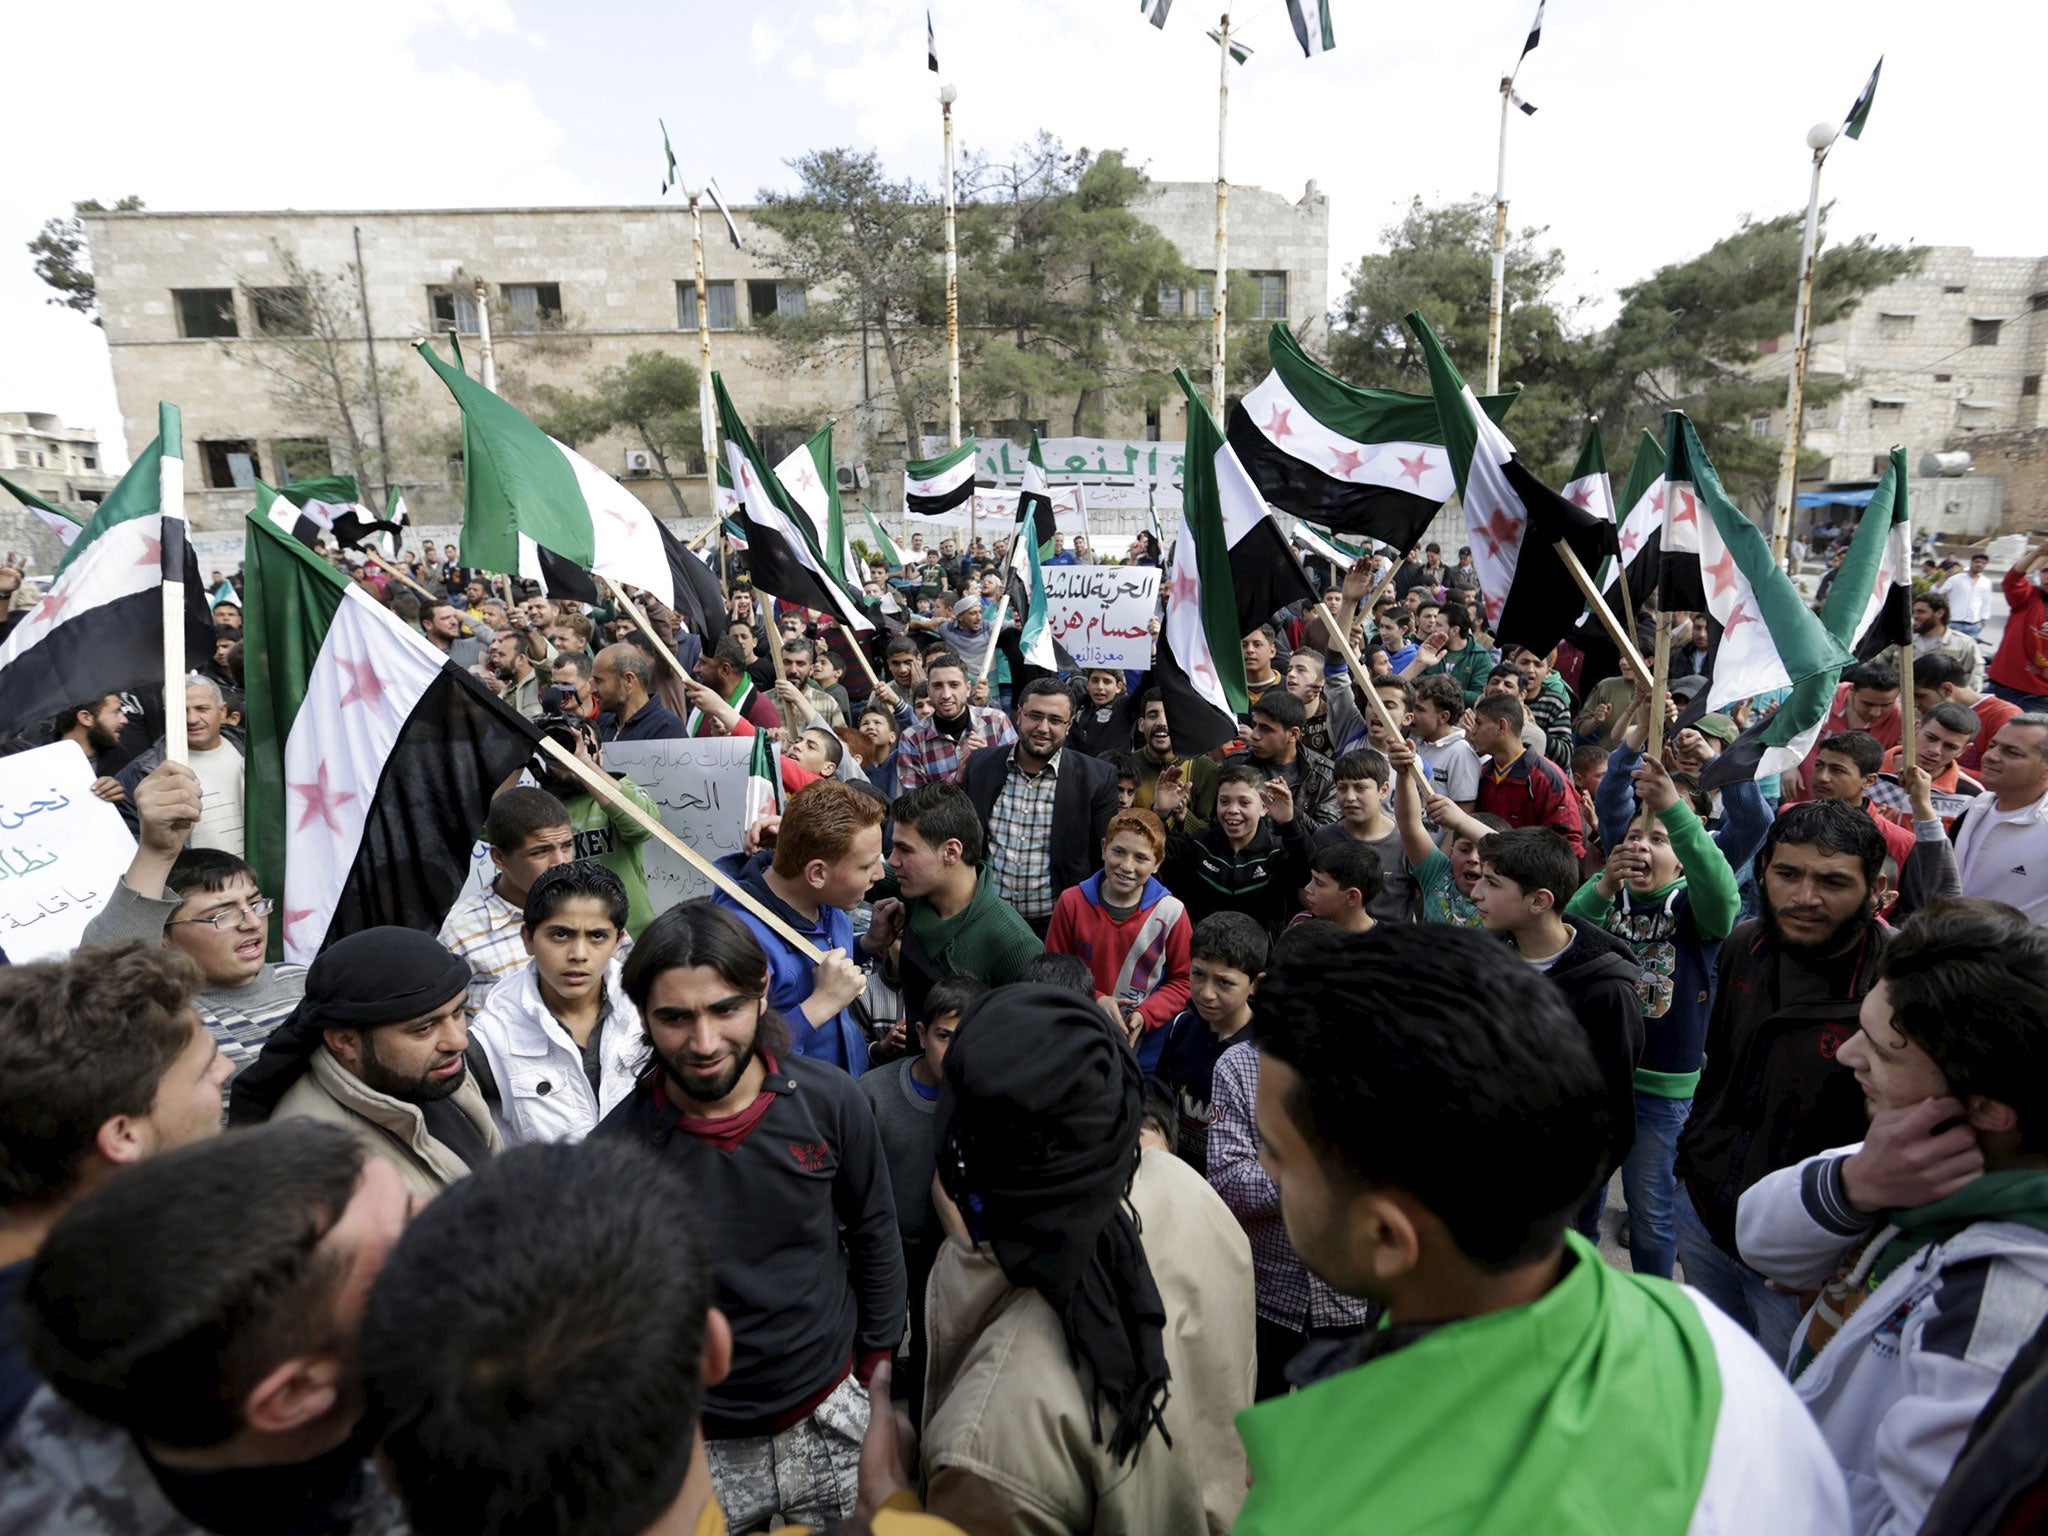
(2021, 459)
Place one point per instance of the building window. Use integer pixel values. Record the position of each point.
(2029, 387)
(1879, 463)
(92, 463)
(453, 309)
(302, 459)
(1169, 298)
(1954, 288)
(1894, 327)
(230, 465)
(1984, 333)
(529, 306)
(279, 311)
(1272, 303)
(1886, 407)
(1943, 378)
(1152, 425)
(1759, 426)
(719, 302)
(206, 312)
(2037, 301)
(767, 299)
(1202, 297)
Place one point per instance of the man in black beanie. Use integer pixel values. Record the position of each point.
(376, 1047)
(1091, 1311)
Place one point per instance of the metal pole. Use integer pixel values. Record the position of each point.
(376, 389)
(946, 97)
(1795, 388)
(707, 433)
(486, 362)
(1496, 297)
(1220, 304)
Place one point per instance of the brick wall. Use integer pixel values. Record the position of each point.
(2022, 458)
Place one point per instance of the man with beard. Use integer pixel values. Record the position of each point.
(376, 1047)
(788, 1168)
(1789, 988)
(1155, 752)
(511, 665)
(96, 729)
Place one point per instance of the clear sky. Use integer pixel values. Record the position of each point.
(1661, 123)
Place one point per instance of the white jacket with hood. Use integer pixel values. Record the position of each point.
(543, 1092)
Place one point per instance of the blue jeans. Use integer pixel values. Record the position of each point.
(2032, 703)
(1972, 630)
(1772, 1316)
(1647, 1184)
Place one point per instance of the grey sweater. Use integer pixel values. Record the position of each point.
(241, 1018)
(909, 1125)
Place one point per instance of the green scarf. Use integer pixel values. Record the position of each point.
(1592, 1410)
(2019, 1196)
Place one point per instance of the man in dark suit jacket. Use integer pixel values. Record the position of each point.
(1045, 809)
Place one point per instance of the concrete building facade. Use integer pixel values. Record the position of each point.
(1948, 359)
(202, 309)
(58, 463)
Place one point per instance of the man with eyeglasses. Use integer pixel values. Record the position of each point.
(205, 902)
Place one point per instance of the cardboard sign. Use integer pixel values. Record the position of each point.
(699, 787)
(61, 850)
(1103, 614)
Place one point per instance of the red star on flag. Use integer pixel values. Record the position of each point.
(1345, 461)
(1657, 500)
(1738, 616)
(1631, 541)
(295, 916)
(1494, 607)
(1582, 497)
(1726, 577)
(624, 520)
(1277, 425)
(1499, 531)
(807, 477)
(152, 551)
(365, 686)
(1688, 510)
(52, 605)
(1184, 587)
(323, 800)
(1415, 468)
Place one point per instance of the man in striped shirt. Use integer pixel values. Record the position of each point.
(529, 832)
(934, 750)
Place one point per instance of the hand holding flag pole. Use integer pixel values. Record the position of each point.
(1371, 694)
(1660, 686)
(397, 575)
(602, 786)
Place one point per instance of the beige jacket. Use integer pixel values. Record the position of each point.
(388, 1128)
(1008, 1444)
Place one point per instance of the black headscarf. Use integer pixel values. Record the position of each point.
(378, 976)
(1038, 1142)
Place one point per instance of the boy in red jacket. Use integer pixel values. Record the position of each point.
(1133, 933)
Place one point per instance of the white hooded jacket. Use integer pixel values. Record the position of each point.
(543, 1093)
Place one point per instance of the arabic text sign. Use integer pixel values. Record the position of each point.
(1102, 614)
(699, 787)
(61, 850)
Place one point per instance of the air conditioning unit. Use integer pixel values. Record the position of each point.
(850, 476)
(639, 461)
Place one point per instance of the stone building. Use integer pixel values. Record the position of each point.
(207, 310)
(58, 463)
(1948, 359)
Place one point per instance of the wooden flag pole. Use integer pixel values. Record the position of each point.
(1908, 750)
(1362, 684)
(400, 576)
(1660, 686)
(601, 785)
(1623, 641)
(639, 618)
(170, 490)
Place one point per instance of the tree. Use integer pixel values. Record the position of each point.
(1688, 338)
(1060, 282)
(63, 260)
(316, 352)
(868, 252)
(1439, 260)
(652, 394)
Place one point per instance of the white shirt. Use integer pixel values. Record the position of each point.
(2003, 855)
(543, 1092)
(1969, 597)
(220, 798)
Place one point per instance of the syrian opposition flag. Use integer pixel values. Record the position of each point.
(884, 545)
(1312, 28)
(329, 504)
(1342, 556)
(1355, 461)
(372, 758)
(668, 175)
(808, 476)
(1589, 486)
(1153, 11)
(1770, 639)
(1859, 110)
(1514, 521)
(699, 601)
(724, 499)
(49, 514)
(398, 521)
(1264, 571)
(100, 627)
(932, 486)
(519, 483)
(1200, 668)
(1030, 545)
(1535, 32)
(764, 781)
(1633, 566)
(1870, 604)
(782, 553)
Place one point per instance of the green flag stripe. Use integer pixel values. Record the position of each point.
(1204, 513)
(1363, 415)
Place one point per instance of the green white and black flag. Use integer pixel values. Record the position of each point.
(1876, 610)
(48, 513)
(668, 175)
(1265, 573)
(1535, 32)
(1200, 668)
(371, 757)
(1356, 461)
(931, 486)
(1312, 27)
(329, 504)
(1859, 110)
(100, 627)
(1155, 11)
(812, 481)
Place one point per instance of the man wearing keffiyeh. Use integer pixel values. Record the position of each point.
(1091, 1312)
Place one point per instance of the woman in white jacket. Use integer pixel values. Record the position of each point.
(560, 1039)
